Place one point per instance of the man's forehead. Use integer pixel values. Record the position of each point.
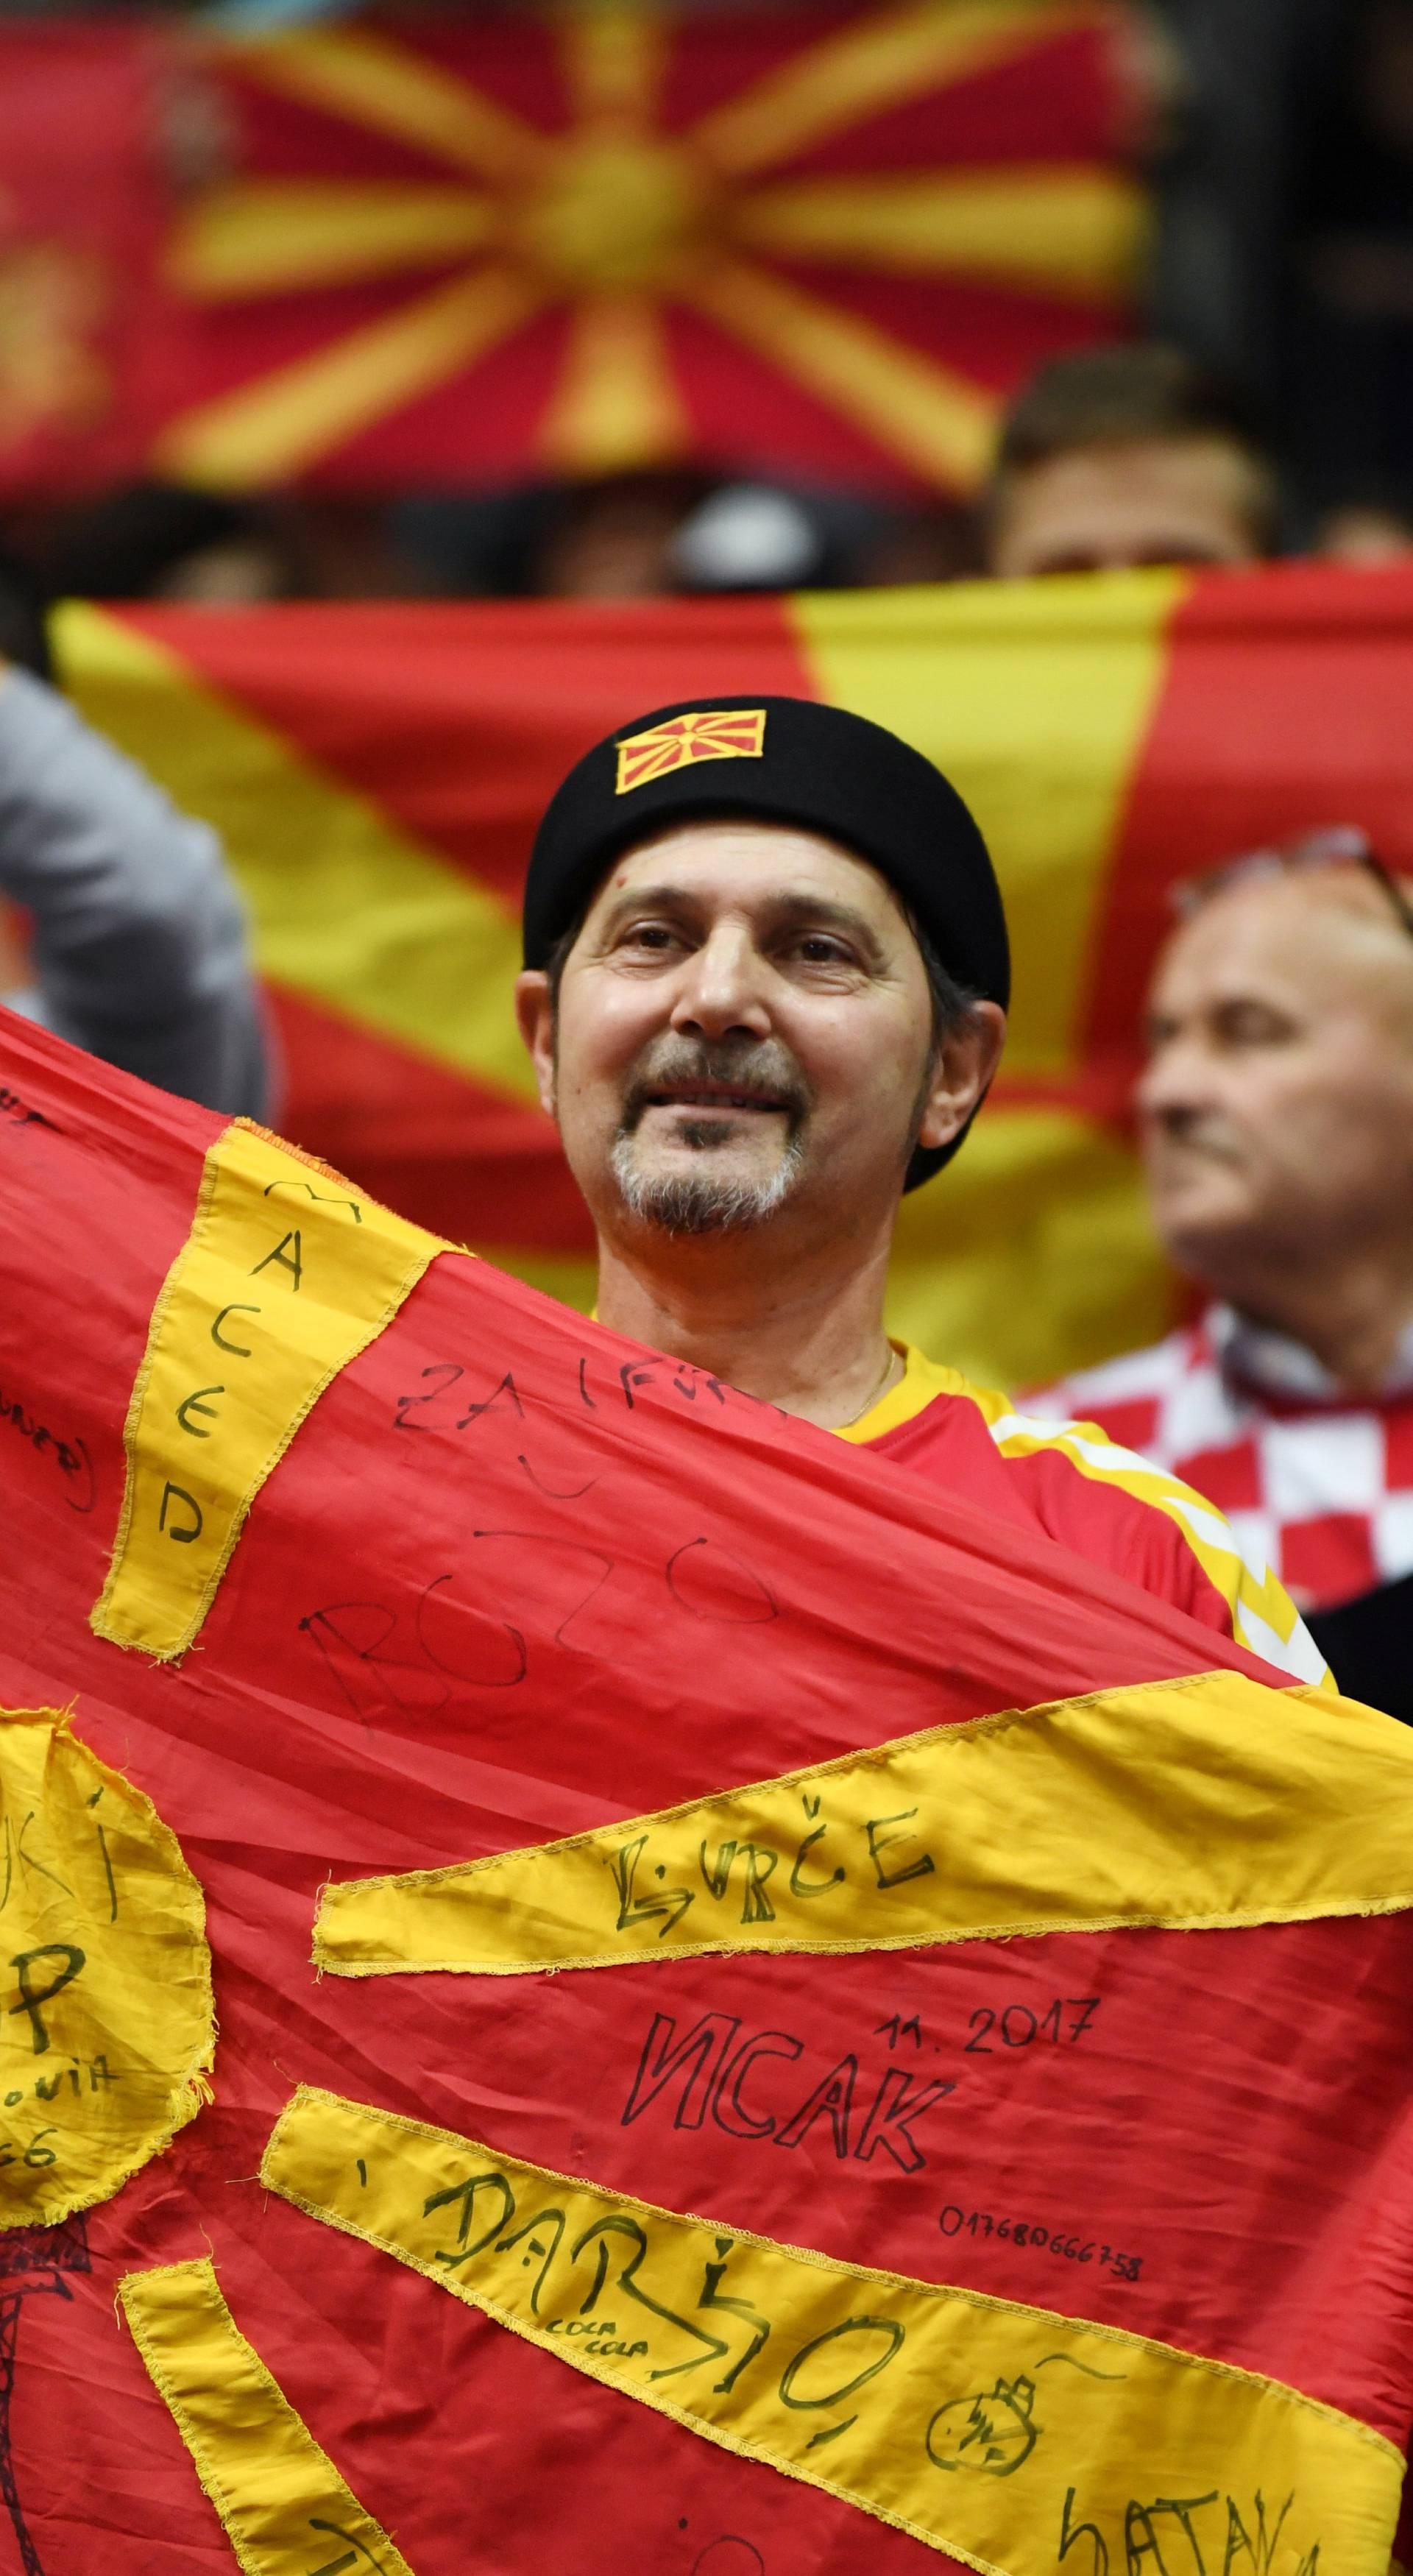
(1316, 929)
(764, 862)
(1207, 477)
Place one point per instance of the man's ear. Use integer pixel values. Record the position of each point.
(966, 1060)
(534, 1017)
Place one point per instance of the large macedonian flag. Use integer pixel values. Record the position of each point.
(607, 236)
(377, 773)
(593, 1976)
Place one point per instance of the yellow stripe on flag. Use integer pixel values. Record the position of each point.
(283, 2506)
(275, 425)
(998, 2432)
(878, 60)
(1069, 230)
(284, 1278)
(1196, 1804)
(348, 908)
(394, 89)
(1035, 698)
(616, 405)
(262, 236)
(614, 54)
(939, 422)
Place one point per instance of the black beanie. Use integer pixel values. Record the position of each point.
(778, 760)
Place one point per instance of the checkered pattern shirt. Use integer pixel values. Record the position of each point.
(1315, 1481)
(1092, 1495)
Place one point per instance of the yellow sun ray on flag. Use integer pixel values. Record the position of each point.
(265, 234)
(616, 406)
(350, 909)
(887, 57)
(271, 429)
(613, 59)
(942, 424)
(1068, 231)
(386, 85)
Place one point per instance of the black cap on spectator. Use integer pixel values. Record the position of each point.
(778, 760)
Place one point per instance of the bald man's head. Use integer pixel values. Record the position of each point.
(1277, 1107)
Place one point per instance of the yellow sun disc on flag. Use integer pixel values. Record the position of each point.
(106, 2021)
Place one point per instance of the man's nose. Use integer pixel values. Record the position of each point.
(1175, 1084)
(722, 987)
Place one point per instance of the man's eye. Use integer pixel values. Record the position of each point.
(648, 934)
(1254, 1024)
(819, 950)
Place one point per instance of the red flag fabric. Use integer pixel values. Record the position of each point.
(761, 2019)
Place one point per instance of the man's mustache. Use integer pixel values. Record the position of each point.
(764, 1073)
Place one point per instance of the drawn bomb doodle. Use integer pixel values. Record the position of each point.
(994, 2431)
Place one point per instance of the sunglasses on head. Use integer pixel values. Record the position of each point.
(1340, 845)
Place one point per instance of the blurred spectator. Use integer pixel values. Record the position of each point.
(748, 536)
(785, 536)
(646, 536)
(137, 944)
(166, 541)
(469, 545)
(1125, 456)
(1372, 529)
(934, 541)
(605, 539)
(613, 539)
(1277, 1126)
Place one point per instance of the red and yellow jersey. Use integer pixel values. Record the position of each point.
(1072, 1481)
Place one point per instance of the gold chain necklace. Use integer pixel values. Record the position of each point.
(895, 1362)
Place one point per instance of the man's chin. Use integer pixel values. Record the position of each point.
(1202, 1233)
(704, 1190)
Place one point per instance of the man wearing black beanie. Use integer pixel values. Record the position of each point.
(766, 974)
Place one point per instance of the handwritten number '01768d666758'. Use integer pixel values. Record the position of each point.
(1071, 2245)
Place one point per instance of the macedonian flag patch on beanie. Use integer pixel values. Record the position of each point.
(722, 733)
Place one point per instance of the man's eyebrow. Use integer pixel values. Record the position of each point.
(792, 906)
(657, 898)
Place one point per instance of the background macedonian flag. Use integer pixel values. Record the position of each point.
(590, 1974)
(377, 773)
(606, 236)
(571, 240)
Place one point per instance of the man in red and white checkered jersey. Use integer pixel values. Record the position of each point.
(1277, 1122)
(1314, 1480)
